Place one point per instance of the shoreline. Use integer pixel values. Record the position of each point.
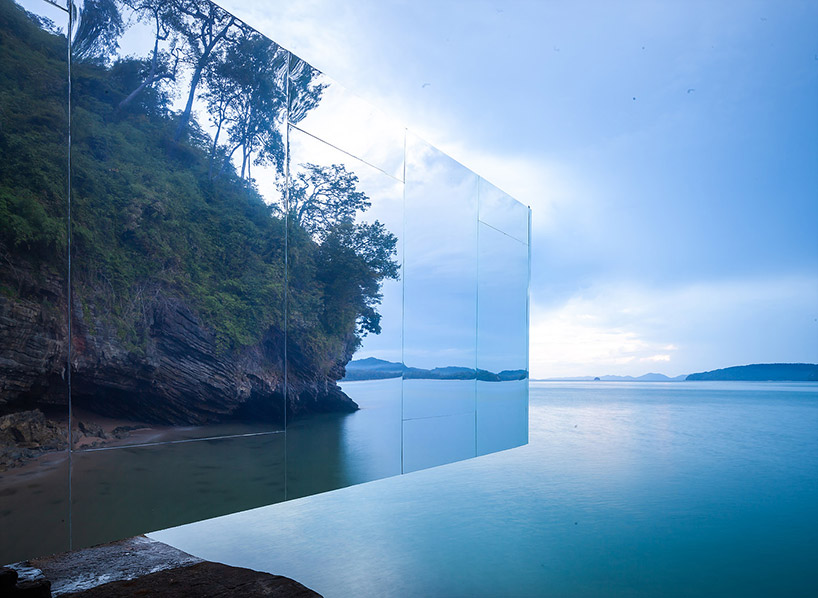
(92, 431)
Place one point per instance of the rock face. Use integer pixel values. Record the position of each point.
(33, 333)
(176, 375)
(206, 580)
(27, 434)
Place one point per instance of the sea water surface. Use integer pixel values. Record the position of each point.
(625, 489)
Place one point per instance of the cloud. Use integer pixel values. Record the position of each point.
(622, 328)
(584, 336)
(657, 358)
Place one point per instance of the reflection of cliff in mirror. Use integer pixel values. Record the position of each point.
(178, 273)
(33, 279)
(343, 218)
(241, 254)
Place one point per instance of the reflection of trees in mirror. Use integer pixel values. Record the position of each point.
(354, 258)
(305, 89)
(178, 266)
(350, 259)
(245, 99)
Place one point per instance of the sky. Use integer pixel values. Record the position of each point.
(669, 152)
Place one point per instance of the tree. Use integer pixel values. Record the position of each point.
(305, 88)
(353, 261)
(321, 197)
(164, 63)
(246, 97)
(204, 26)
(100, 26)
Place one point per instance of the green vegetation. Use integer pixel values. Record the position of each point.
(150, 216)
(33, 136)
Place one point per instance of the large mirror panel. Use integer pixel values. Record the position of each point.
(125, 491)
(502, 340)
(440, 305)
(502, 212)
(440, 283)
(34, 292)
(345, 223)
(178, 157)
(238, 284)
(323, 108)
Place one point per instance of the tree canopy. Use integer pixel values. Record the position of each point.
(153, 208)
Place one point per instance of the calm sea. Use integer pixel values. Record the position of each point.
(626, 489)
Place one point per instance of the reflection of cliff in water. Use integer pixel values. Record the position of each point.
(117, 493)
(330, 451)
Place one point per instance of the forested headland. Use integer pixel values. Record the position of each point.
(177, 254)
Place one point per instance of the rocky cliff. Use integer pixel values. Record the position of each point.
(178, 275)
(177, 374)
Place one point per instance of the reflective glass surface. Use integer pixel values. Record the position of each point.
(178, 152)
(440, 280)
(125, 491)
(502, 212)
(502, 312)
(433, 441)
(345, 220)
(233, 283)
(502, 331)
(502, 415)
(34, 347)
(326, 110)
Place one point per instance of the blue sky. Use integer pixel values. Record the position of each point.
(669, 151)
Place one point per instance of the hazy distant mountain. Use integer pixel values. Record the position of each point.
(777, 372)
(652, 377)
(610, 378)
(373, 369)
(379, 369)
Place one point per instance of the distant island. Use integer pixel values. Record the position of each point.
(763, 372)
(758, 372)
(379, 369)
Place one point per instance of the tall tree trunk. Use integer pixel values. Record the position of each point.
(243, 160)
(185, 118)
(197, 76)
(227, 158)
(213, 150)
(149, 80)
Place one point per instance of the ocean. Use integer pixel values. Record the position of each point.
(625, 489)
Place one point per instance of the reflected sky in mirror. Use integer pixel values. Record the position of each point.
(322, 107)
(440, 265)
(54, 11)
(503, 212)
(502, 312)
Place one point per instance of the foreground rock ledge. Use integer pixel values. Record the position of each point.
(140, 566)
(204, 579)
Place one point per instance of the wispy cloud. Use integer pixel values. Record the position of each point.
(588, 336)
(626, 328)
